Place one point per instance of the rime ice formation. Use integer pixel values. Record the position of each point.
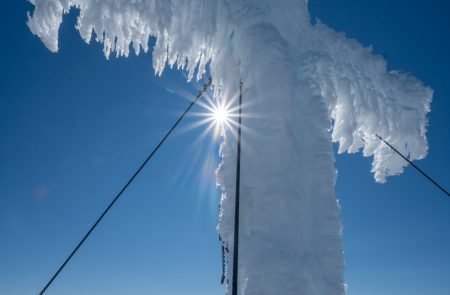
(305, 85)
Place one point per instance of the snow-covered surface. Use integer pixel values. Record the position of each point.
(305, 85)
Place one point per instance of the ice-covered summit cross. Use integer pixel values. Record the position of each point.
(309, 87)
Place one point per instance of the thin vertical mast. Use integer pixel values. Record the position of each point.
(236, 206)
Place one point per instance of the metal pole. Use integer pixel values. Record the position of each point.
(236, 206)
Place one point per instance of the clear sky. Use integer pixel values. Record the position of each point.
(74, 127)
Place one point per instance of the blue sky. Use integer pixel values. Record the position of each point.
(75, 126)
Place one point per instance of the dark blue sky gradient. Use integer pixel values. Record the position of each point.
(74, 127)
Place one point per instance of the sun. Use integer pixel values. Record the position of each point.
(220, 115)
(217, 115)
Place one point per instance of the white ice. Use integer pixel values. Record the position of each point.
(305, 86)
